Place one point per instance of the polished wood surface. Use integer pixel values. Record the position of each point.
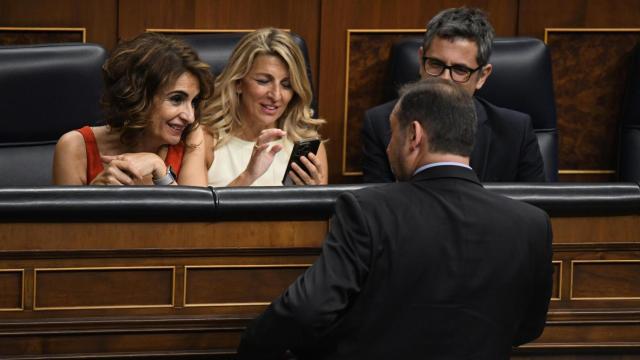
(590, 74)
(188, 289)
(595, 230)
(534, 16)
(109, 236)
(31, 36)
(301, 17)
(98, 17)
(181, 289)
(588, 98)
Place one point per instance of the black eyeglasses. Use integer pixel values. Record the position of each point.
(458, 73)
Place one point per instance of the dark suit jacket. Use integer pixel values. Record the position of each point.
(506, 149)
(434, 268)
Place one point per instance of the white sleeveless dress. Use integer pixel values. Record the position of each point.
(232, 158)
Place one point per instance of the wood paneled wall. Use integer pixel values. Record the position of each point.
(301, 17)
(592, 143)
(324, 25)
(98, 17)
(187, 290)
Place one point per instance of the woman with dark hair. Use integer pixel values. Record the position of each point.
(156, 88)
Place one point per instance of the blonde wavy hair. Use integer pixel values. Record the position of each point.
(225, 106)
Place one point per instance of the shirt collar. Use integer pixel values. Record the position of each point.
(443, 163)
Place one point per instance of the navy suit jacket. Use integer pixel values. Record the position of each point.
(505, 150)
(434, 268)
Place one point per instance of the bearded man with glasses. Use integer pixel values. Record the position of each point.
(457, 46)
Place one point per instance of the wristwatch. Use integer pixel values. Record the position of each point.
(168, 179)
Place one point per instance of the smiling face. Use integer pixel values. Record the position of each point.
(456, 52)
(265, 93)
(173, 110)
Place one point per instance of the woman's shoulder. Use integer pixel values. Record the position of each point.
(72, 138)
(70, 159)
(79, 139)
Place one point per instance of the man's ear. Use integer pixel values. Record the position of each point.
(416, 135)
(484, 75)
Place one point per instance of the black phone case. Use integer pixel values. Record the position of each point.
(300, 148)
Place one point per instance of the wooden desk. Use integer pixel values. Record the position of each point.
(187, 289)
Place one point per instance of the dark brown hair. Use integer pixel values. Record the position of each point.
(444, 109)
(134, 73)
(464, 23)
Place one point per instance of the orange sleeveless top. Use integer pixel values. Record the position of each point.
(94, 163)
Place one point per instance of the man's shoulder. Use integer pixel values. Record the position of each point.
(375, 196)
(514, 208)
(380, 199)
(381, 112)
(503, 115)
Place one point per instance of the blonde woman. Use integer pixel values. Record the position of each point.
(260, 107)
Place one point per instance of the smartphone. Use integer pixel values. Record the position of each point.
(300, 148)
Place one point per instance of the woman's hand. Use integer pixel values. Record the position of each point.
(261, 157)
(315, 172)
(127, 169)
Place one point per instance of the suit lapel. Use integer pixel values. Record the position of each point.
(480, 153)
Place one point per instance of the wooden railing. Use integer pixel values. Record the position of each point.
(137, 272)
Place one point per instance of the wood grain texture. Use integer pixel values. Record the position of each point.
(589, 74)
(215, 286)
(556, 291)
(78, 288)
(534, 16)
(79, 236)
(10, 290)
(368, 73)
(598, 282)
(587, 177)
(18, 36)
(99, 17)
(588, 101)
(126, 343)
(230, 263)
(301, 17)
(606, 279)
(590, 230)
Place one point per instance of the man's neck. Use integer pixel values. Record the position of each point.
(433, 158)
(442, 159)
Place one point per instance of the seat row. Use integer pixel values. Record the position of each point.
(47, 90)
